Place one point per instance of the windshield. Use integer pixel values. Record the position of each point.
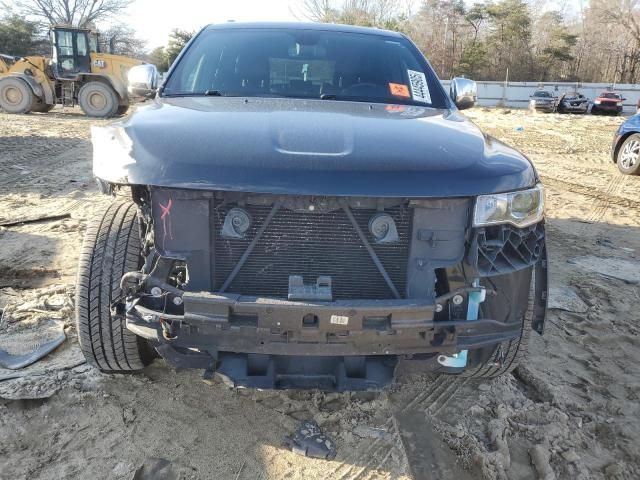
(614, 96)
(542, 93)
(305, 64)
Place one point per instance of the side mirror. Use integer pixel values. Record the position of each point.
(464, 92)
(143, 80)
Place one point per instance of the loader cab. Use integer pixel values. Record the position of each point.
(72, 49)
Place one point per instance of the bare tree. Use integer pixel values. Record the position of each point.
(77, 13)
(122, 40)
(319, 10)
(545, 40)
(376, 13)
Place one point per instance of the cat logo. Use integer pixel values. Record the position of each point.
(99, 63)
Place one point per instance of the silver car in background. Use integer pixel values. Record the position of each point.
(543, 100)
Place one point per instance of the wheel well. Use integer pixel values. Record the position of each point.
(31, 84)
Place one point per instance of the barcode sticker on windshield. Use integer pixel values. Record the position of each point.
(419, 87)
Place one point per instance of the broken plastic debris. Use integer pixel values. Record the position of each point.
(309, 441)
(24, 348)
(155, 468)
(565, 298)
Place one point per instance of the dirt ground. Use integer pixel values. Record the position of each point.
(572, 412)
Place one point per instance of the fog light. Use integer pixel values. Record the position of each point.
(383, 228)
(236, 223)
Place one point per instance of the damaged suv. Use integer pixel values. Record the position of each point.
(309, 209)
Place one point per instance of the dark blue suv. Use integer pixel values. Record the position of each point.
(626, 146)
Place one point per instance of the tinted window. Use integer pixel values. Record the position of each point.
(65, 43)
(81, 40)
(306, 64)
(615, 96)
(93, 43)
(542, 93)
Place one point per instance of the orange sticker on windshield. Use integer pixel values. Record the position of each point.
(399, 90)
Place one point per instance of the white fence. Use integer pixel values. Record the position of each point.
(516, 94)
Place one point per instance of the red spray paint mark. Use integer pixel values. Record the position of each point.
(165, 216)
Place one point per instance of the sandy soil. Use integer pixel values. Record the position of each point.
(572, 412)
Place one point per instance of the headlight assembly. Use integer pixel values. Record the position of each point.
(521, 208)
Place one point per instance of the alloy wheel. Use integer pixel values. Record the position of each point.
(630, 154)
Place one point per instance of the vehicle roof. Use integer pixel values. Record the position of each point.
(331, 27)
(68, 27)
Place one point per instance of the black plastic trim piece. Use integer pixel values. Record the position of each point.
(541, 292)
(501, 249)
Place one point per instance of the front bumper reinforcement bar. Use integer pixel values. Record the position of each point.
(233, 323)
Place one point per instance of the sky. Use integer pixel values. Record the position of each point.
(153, 20)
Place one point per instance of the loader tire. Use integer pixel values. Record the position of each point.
(98, 100)
(111, 248)
(16, 96)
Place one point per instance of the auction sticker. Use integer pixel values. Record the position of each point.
(339, 320)
(399, 90)
(419, 87)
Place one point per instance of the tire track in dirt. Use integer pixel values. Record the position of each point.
(56, 157)
(611, 199)
(369, 452)
(602, 205)
(356, 471)
(433, 399)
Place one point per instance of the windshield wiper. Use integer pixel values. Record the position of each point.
(206, 93)
(328, 96)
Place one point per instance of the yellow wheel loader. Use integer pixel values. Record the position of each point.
(77, 73)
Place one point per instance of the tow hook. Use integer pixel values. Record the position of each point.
(459, 360)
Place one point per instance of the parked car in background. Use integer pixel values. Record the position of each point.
(626, 146)
(543, 100)
(608, 102)
(573, 102)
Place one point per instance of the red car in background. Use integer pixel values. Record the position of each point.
(608, 102)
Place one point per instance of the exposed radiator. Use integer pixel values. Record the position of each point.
(312, 244)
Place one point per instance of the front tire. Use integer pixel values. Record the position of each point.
(111, 248)
(98, 100)
(628, 156)
(506, 356)
(16, 96)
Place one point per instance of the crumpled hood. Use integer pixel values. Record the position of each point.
(306, 147)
